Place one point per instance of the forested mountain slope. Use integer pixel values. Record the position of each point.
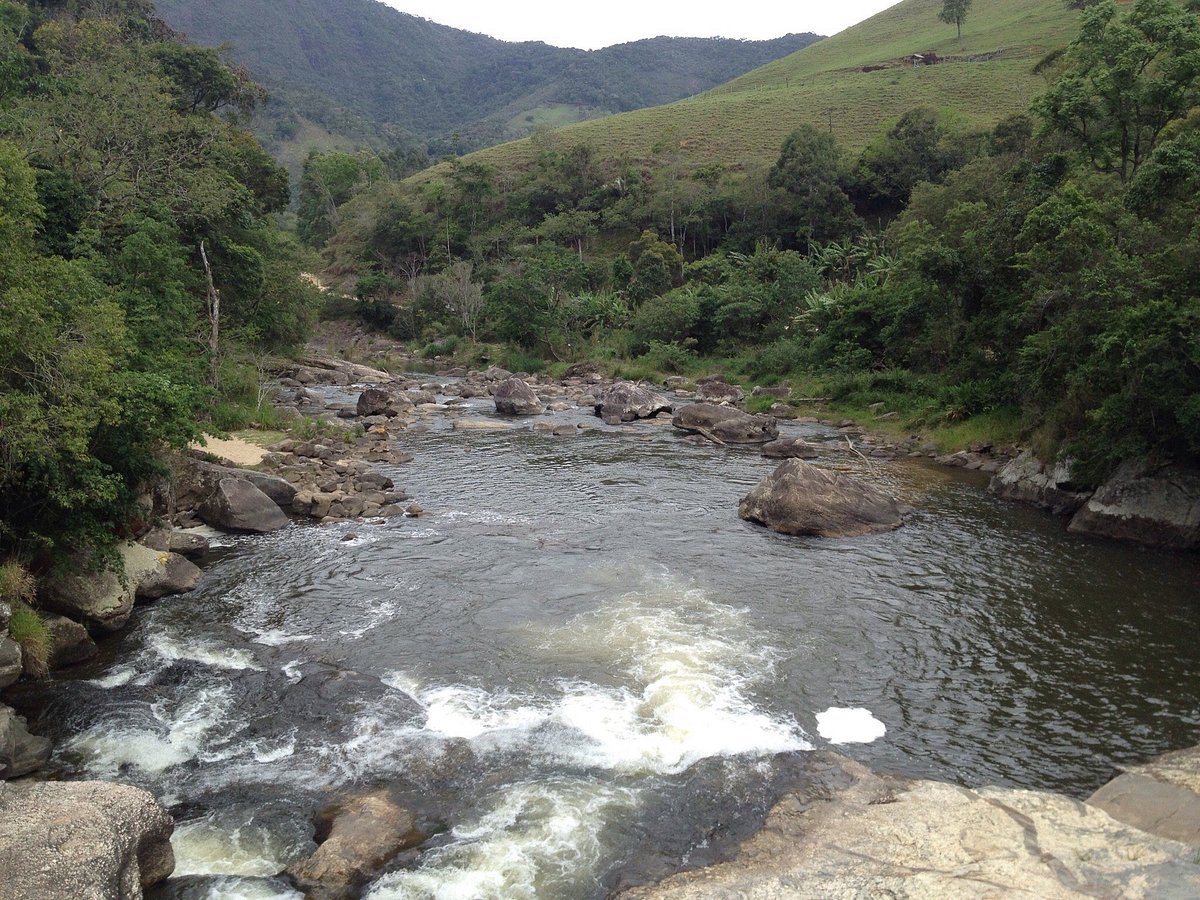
(431, 80)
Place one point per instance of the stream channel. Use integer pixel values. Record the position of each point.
(583, 671)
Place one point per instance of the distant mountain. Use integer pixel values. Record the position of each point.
(354, 64)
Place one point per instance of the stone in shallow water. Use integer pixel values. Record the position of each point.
(802, 499)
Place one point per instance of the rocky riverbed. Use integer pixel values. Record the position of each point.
(346, 473)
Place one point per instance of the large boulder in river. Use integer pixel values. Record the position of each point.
(375, 402)
(626, 401)
(70, 643)
(881, 836)
(726, 425)
(237, 505)
(516, 398)
(104, 599)
(358, 838)
(798, 498)
(81, 839)
(1029, 480)
(1158, 508)
(20, 751)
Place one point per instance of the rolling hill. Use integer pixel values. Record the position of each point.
(852, 83)
(360, 63)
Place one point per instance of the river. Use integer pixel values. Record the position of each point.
(583, 670)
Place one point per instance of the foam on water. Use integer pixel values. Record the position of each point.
(534, 840)
(689, 663)
(841, 725)
(203, 847)
(276, 637)
(207, 653)
(166, 737)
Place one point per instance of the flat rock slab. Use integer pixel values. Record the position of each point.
(1161, 797)
(885, 837)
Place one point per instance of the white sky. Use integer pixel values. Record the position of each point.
(592, 25)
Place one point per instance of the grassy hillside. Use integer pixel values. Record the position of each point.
(989, 75)
(430, 81)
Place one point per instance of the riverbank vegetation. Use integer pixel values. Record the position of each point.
(1037, 278)
(141, 270)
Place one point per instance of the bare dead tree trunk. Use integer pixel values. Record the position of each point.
(214, 318)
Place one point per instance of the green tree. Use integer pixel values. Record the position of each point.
(954, 12)
(808, 168)
(1127, 78)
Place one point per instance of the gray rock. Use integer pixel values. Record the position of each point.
(726, 425)
(1158, 508)
(20, 753)
(237, 505)
(11, 664)
(99, 599)
(1161, 797)
(801, 499)
(715, 389)
(513, 397)
(5, 616)
(1029, 480)
(887, 837)
(83, 840)
(789, 448)
(173, 575)
(70, 642)
(626, 401)
(174, 541)
(364, 834)
(375, 402)
(781, 391)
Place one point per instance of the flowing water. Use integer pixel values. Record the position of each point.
(583, 671)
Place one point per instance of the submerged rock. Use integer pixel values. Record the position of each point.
(360, 836)
(1029, 480)
(72, 840)
(20, 751)
(798, 498)
(1157, 508)
(513, 397)
(790, 448)
(726, 425)
(626, 402)
(891, 837)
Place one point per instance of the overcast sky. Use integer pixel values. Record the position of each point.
(599, 24)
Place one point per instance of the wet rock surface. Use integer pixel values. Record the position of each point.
(357, 838)
(20, 751)
(1029, 480)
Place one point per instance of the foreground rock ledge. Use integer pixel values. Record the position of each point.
(888, 837)
(801, 499)
(84, 839)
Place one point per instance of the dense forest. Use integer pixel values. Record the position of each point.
(1037, 281)
(141, 272)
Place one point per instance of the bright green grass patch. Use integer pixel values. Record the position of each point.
(28, 629)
